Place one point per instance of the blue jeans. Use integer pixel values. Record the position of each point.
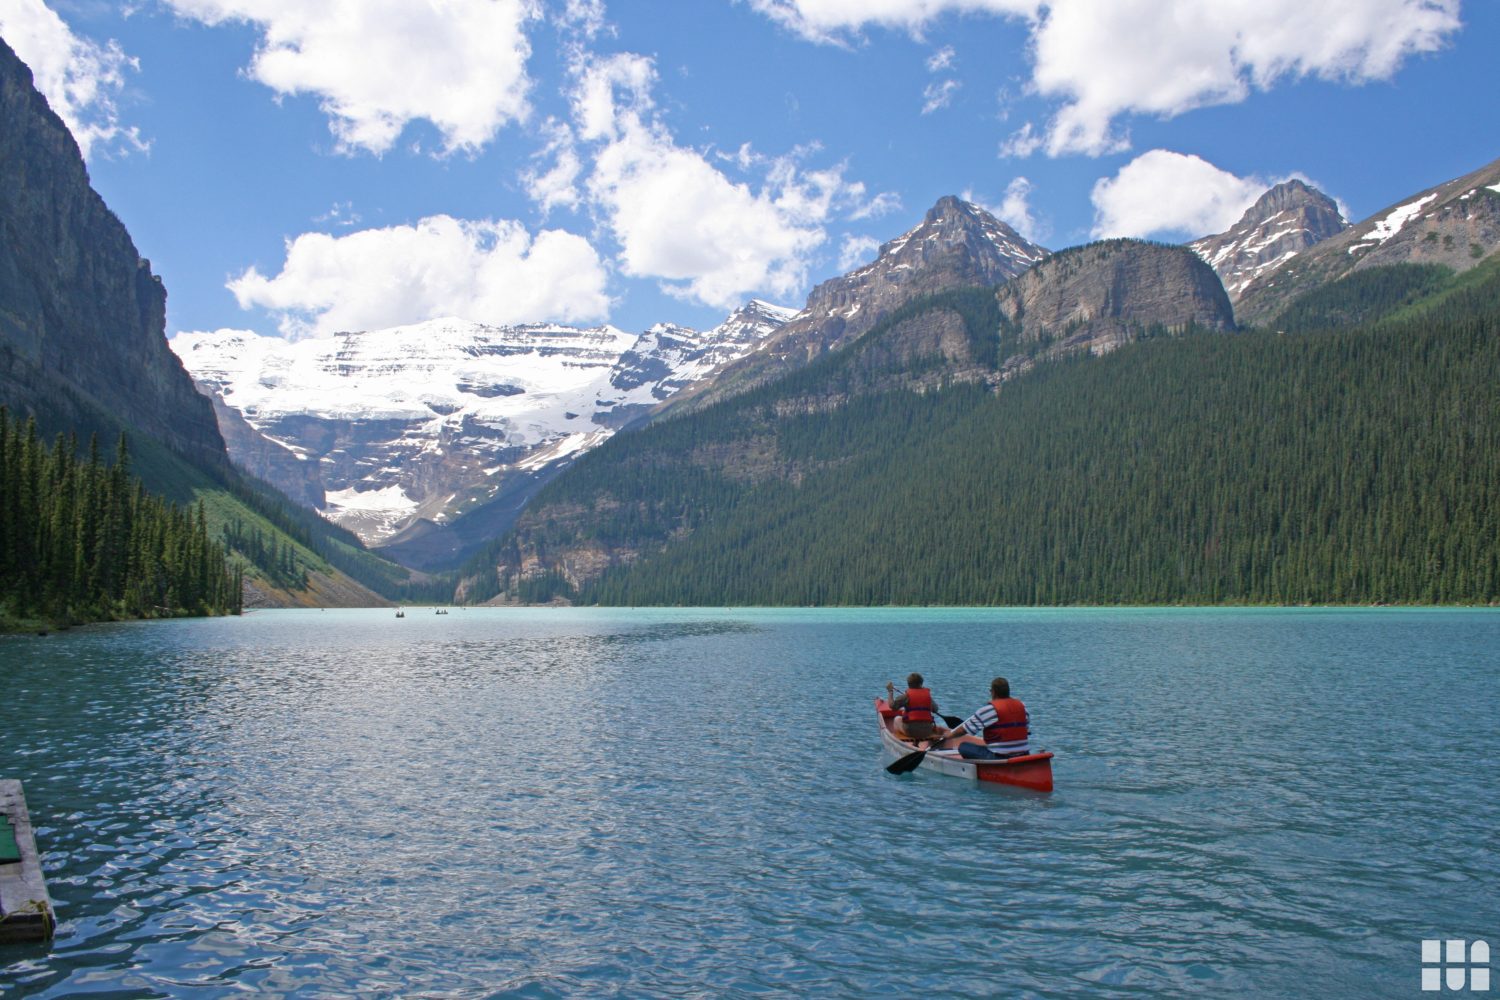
(973, 751)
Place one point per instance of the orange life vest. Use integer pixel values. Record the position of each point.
(1010, 723)
(918, 705)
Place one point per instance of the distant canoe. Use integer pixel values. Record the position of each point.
(1033, 771)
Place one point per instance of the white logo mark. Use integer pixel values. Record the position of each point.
(1455, 962)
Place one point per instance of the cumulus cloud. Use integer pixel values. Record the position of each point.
(490, 271)
(1159, 57)
(676, 216)
(1165, 58)
(79, 77)
(1162, 192)
(378, 65)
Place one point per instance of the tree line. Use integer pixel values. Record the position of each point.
(81, 539)
(1339, 465)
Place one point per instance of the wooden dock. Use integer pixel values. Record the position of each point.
(25, 908)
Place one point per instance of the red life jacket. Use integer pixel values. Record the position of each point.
(1010, 723)
(918, 705)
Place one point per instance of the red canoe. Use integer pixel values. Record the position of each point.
(1033, 771)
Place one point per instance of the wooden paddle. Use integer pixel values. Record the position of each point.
(910, 762)
(913, 760)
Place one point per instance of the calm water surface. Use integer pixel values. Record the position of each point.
(540, 803)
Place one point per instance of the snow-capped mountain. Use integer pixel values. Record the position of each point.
(430, 420)
(1282, 223)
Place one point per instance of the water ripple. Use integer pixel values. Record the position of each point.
(692, 804)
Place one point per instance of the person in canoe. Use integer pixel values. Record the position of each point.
(1000, 728)
(915, 708)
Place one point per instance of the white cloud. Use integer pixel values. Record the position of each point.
(341, 214)
(1165, 192)
(857, 250)
(1102, 60)
(79, 77)
(584, 16)
(603, 84)
(557, 186)
(834, 21)
(489, 271)
(378, 65)
(882, 204)
(1022, 142)
(936, 96)
(1015, 209)
(1165, 57)
(676, 216)
(942, 59)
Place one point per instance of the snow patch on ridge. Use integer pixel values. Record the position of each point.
(1392, 223)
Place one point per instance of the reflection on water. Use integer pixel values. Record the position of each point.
(691, 803)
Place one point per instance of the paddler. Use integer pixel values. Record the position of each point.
(915, 708)
(1001, 728)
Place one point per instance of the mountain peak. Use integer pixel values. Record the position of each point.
(1287, 196)
(952, 222)
(1282, 223)
(956, 245)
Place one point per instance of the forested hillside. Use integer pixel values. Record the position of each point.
(83, 540)
(1354, 465)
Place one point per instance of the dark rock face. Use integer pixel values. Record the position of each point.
(1455, 224)
(1284, 222)
(957, 245)
(266, 459)
(80, 311)
(1098, 296)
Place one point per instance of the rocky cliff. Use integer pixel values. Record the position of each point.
(956, 245)
(1455, 224)
(1100, 295)
(1282, 223)
(81, 315)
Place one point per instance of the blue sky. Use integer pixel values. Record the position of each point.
(388, 161)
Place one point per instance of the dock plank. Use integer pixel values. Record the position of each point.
(25, 908)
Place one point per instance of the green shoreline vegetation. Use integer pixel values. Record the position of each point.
(82, 541)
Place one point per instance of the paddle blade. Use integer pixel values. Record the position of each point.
(953, 721)
(910, 762)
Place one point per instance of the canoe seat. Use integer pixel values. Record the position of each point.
(10, 851)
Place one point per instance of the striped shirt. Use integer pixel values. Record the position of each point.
(976, 723)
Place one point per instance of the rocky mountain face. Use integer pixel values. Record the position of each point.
(1282, 223)
(394, 433)
(1456, 224)
(956, 245)
(1101, 295)
(1091, 299)
(81, 315)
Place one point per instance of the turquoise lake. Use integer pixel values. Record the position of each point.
(692, 803)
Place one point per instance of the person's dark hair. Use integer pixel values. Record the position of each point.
(914, 680)
(999, 688)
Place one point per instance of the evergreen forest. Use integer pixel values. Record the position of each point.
(1355, 461)
(82, 540)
